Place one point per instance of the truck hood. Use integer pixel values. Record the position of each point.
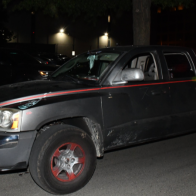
(39, 89)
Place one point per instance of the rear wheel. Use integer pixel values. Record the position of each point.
(63, 159)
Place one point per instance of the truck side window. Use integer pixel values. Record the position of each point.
(178, 65)
(146, 63)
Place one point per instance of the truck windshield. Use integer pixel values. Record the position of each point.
(88, 66)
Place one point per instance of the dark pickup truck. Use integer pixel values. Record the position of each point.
(98, 101)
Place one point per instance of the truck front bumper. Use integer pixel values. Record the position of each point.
(15, 150)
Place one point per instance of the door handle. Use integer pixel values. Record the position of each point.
(165, 91)
(156, 92)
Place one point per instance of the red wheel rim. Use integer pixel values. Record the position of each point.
(68, 162)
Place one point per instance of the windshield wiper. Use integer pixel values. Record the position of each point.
(62, 76)
(71, 77)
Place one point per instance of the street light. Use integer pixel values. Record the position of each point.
(180, 7)
(62, 30)
(108, 18)
(73, 53)
(159, 10)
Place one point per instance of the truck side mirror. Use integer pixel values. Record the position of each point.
(132, 75)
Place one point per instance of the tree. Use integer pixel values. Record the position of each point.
(93, 9)
(142, 17)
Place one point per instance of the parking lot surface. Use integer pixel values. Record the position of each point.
(161, 168)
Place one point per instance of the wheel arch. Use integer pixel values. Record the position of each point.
(92, 128)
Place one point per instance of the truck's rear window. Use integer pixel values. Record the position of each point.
(178, 65)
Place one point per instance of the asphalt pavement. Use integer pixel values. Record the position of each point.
(164, 168)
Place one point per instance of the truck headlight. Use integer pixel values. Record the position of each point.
(10, 119)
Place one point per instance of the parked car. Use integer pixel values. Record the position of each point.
(98, 101)
(17, 66)
(40, 60)
(54, 59)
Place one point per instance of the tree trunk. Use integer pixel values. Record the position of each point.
(141, 22)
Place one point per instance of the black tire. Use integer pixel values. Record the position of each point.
(66, 148)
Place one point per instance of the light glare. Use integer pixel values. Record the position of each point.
(61, 30)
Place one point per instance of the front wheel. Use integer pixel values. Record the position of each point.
(63, 159)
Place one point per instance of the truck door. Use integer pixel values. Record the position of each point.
(183, 90)
(137, 111)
